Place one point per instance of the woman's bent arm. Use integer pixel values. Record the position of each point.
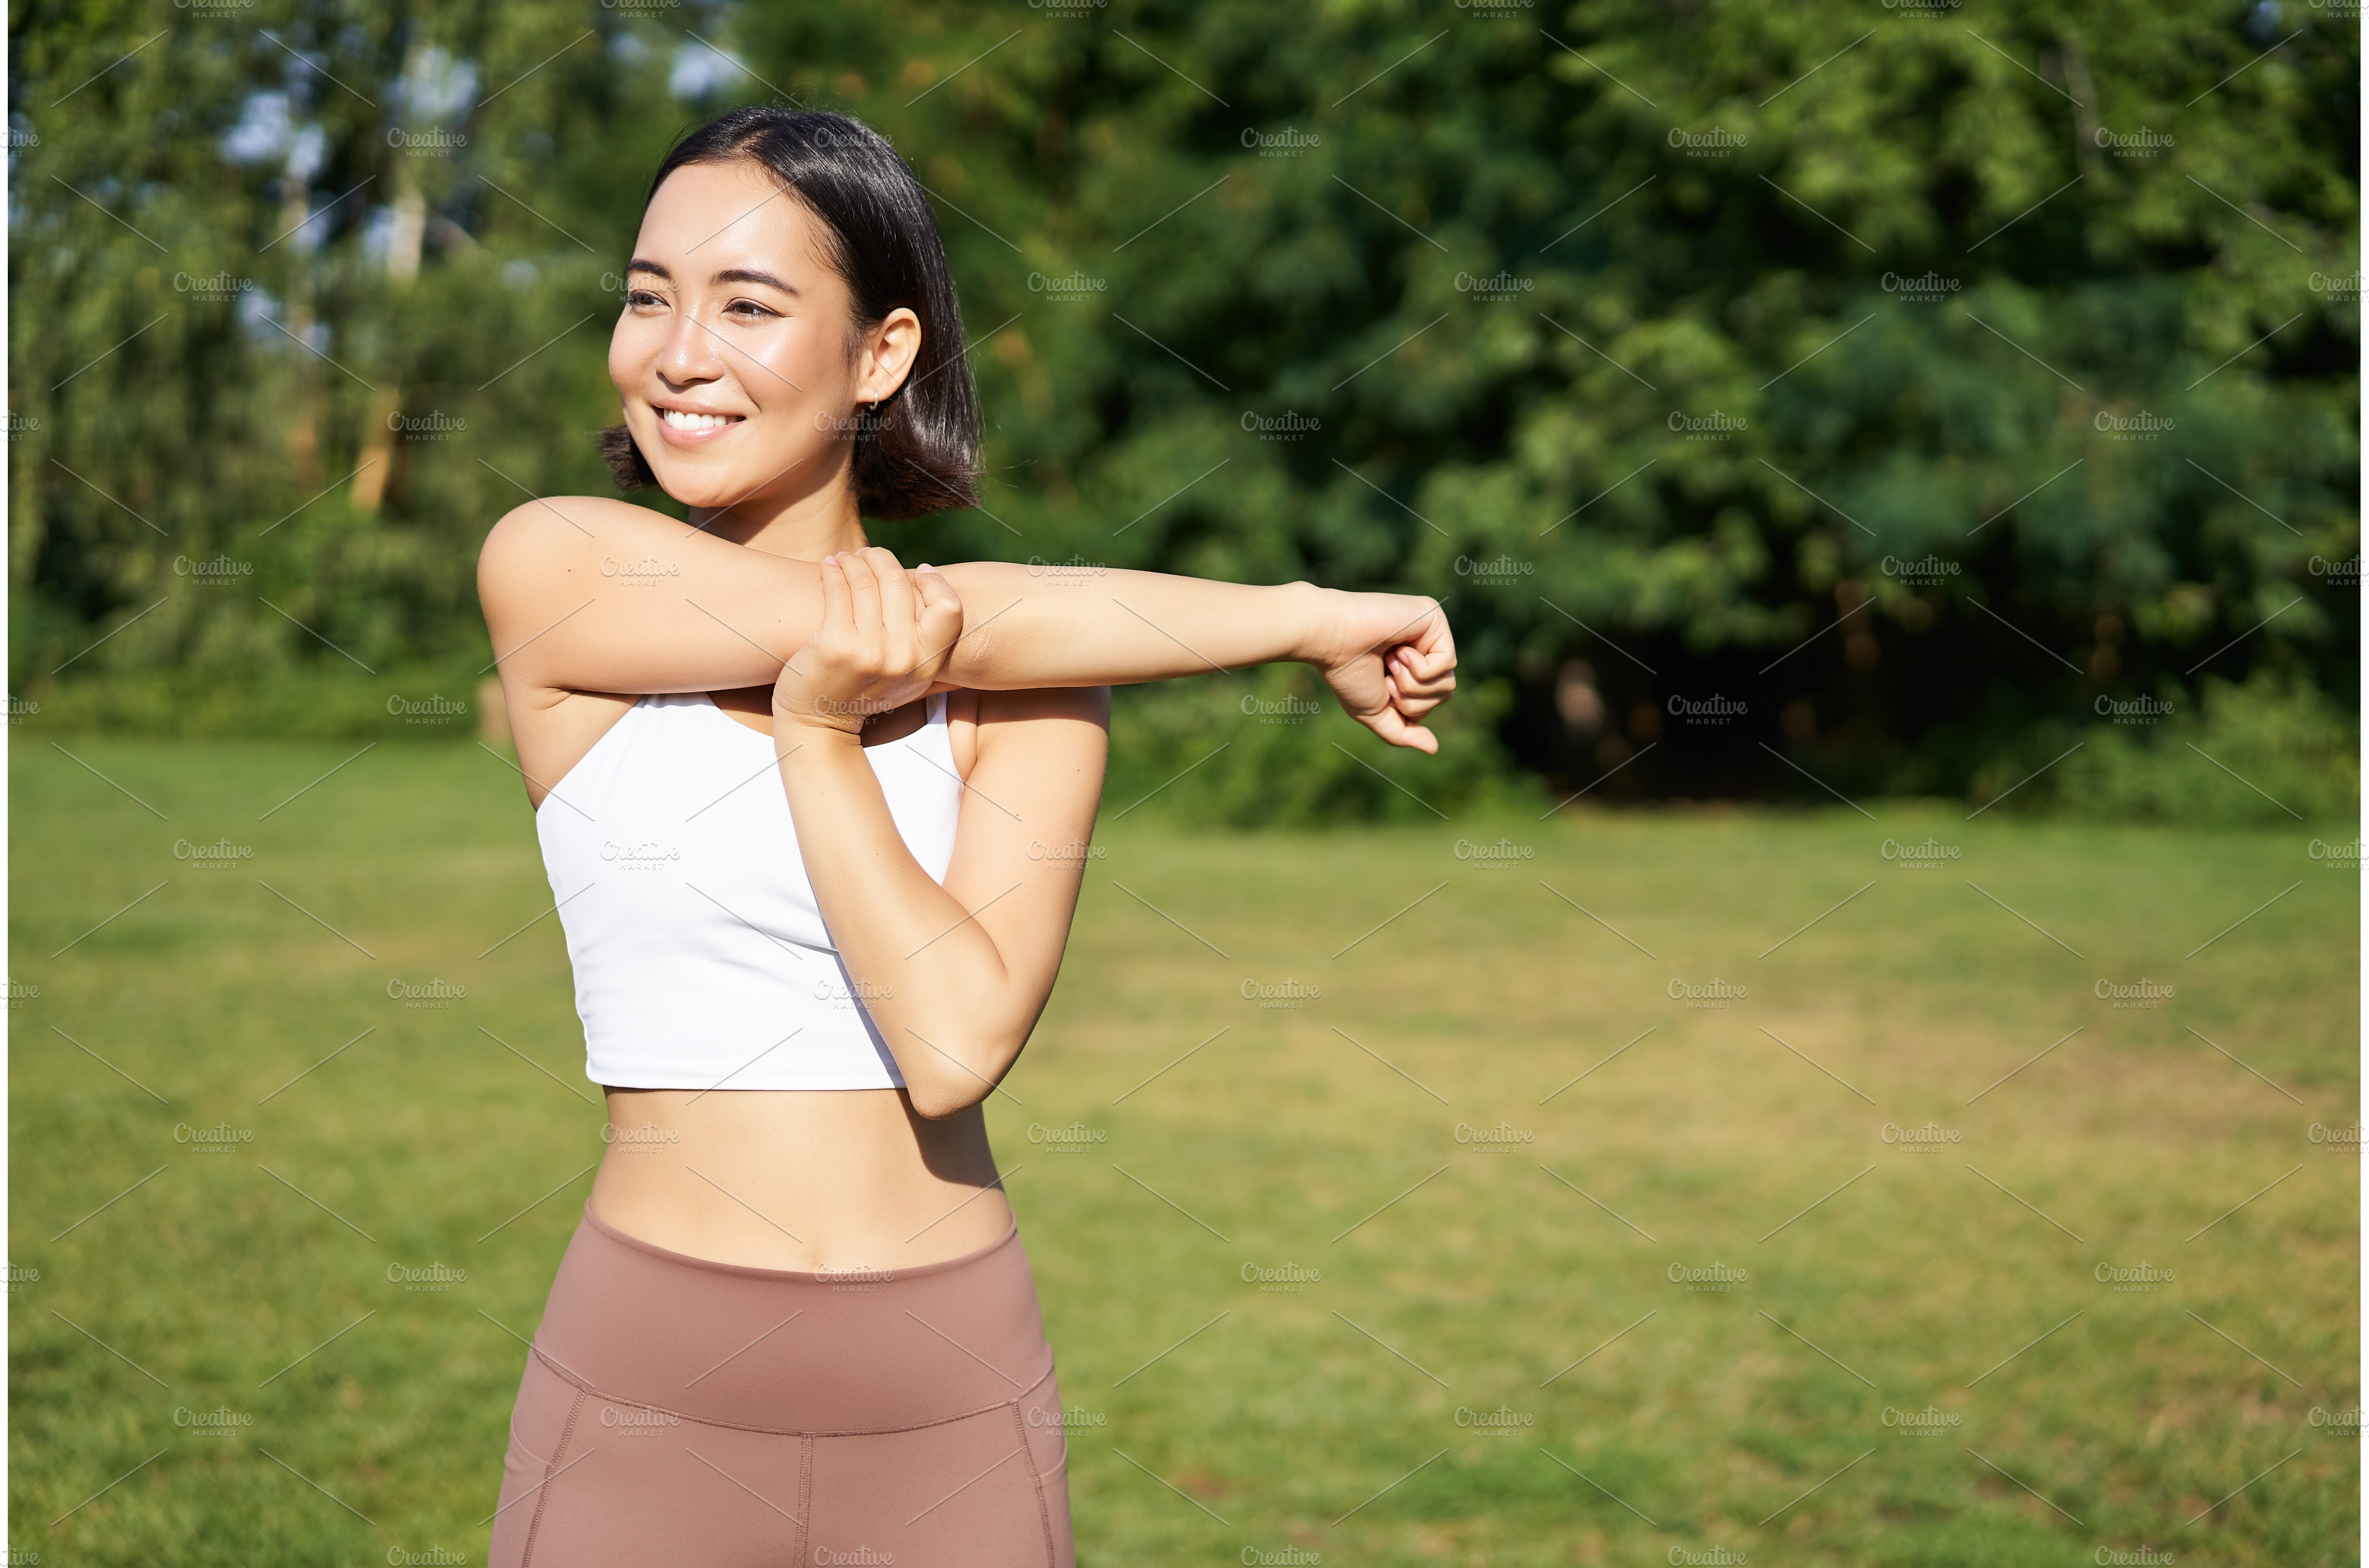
(954, 976)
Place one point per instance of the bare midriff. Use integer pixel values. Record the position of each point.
(799, 1179)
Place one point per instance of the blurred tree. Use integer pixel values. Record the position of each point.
(1863, 393)
(303, 302)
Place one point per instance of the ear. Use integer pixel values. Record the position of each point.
(888, 354)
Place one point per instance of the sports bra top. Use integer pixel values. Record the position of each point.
(701, 960)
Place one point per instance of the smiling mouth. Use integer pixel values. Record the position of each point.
(680, 419)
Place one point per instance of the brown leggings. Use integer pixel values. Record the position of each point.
(675, 1410)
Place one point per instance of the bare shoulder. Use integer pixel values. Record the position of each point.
(559, 536)
(533, 569)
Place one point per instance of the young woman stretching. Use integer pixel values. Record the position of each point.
(815, 883)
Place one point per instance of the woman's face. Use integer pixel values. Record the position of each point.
(732, 353)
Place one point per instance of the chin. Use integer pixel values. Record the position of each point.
(684, 477)
(698, 489)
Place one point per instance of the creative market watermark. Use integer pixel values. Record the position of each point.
(1715, 709)
(2140, 143)
(1497, 856)
(648, 856)
(2335, 1140)
(2140, 427)
(221, 855)
(1077, 852)
(427, 1278)
(1495, 289)
(1503, 1422)
(1930, 571)
(222, 572)
(1715, 425)
(855, 992)
(219, 1422)
(431, 996)
(1076, 572)
(2140, 710)
(1283, 1278)
(1289, 426)
(433, 426)
(1503, 1138)
(1075, 1138)
(220, 1139)
(639, 1421)
(1716, 143)
(1289, 143)
(1281, 709)
(1073, 287)
(2135, 1279)
(1288, 995)
(649, 572)
(1929, 288)
(1502, 572)
(1929, 1139)
(435, 708)
(1715, 1278)
(434, 143)
(1931, 1421)
(1714, 994)
(2140, 994)
(1930, 856)
(216, 287)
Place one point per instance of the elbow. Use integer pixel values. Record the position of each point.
(949, 1094)
(939, 1101)
(953, 1082)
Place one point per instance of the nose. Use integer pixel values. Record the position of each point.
(693, 356)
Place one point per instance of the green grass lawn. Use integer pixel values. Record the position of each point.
(1466, 1349)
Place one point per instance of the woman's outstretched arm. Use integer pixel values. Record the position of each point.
(588, 593)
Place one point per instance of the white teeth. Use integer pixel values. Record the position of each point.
(678, 420)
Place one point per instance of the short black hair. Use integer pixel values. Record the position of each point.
(916, 450)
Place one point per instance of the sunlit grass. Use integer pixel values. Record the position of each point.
(1501, 1301)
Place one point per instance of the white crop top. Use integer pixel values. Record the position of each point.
(702, 960)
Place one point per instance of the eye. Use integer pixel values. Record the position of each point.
(642, 300)
(750, 310)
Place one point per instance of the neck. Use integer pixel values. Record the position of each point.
(802, 526)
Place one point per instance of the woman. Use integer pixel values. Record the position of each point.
(815, 887)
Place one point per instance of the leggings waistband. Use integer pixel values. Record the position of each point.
(789, 1351)
(791, 1275)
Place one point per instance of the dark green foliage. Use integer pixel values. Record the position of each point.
(1692, 327)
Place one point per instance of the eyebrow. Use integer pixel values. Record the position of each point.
(729, 275)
